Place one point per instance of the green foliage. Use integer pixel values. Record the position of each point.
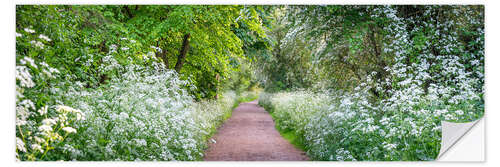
(83, 35)
(243, 79)
(248, 96)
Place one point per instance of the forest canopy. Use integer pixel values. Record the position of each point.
(204, 44)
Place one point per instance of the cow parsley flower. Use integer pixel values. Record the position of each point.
(29, 30)
(20, 144)
(43, 110)
(37, 44)
(24, 77)
(62, 108)
(41, 36)
(69, 129)
(45, 128)
(27, 60)
(158, 49)
(389, 146)
(112, 48)
(141, 142)
(37, 147)
(49, 122)
(39, 140)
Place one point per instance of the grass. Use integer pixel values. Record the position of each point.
(226, 116)
(289, 135)
(248, 96)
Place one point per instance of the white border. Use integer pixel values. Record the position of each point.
(7, 87)
(260, 2)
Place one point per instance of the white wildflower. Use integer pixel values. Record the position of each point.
(20, 144)
(24, 77)
(49, 122)
(37, 147)
(45, 128)
(141, 142)
(158, 49)
(41, 36)
(29, 30)
(43, 110)
(69, 129)
(80, 115)
(474, 62)
(39, 140)
(31, 62)
(389, 146)
(37, 44)
(62, 108)
(113, 48)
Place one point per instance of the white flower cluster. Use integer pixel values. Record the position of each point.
(37, 44)
(144, 113)
(439, 79)
(25, 80)
(31, 31)
(44, 38)
(329, 122)
(109, 64)
(42, 138)
(158, 49)
(38, 128)
(24, 77)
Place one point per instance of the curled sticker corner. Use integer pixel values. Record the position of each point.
(452, 133)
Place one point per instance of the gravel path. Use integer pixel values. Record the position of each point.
(250, 135)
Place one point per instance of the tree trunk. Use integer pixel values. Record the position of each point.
(182, 55)
(163, 56)
(127, 10)
(379, 61)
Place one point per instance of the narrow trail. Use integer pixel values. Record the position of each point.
(250, 135)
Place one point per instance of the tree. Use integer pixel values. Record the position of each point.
(197, 41)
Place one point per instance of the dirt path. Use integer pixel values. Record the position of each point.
(250, 135)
